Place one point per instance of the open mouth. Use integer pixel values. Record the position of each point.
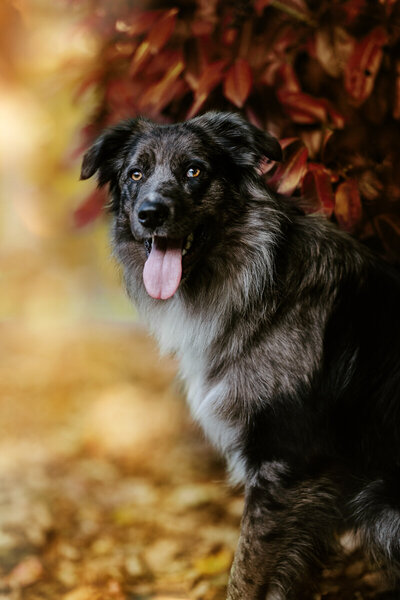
(166, 259)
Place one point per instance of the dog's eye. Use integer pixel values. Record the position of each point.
(136, 175)
(193, 172)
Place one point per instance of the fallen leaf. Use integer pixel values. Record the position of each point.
(28, 571)
(85, 592)
(214, 563)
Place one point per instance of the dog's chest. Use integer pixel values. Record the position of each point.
(191, 338)
(208, 403)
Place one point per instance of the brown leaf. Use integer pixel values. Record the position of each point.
(317, 189)
(90, 209)
(259, 6)
(156, 39)
(353, 9)
(333, 49)
(209, 79)
(28, 571)
(363, 65)
(289, 82)
(161, 93)
(303, 108)
(162, 30)
(138, 22)
(214, 563)
(290, 173)
(238, 82)
(348, 209)
(141, 55)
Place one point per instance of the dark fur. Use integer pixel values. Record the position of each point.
(288, 335)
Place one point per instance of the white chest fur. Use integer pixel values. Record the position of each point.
(190, 338)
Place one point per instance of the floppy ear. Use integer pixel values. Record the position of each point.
(109, 150)
(246, 143)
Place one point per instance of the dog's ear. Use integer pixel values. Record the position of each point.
(106, 156)
(246, 143)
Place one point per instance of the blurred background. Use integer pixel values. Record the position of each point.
(106, 488)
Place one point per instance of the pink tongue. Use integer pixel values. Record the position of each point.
(163, 269)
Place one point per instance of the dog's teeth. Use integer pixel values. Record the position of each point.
(184, 252)
(189, 241)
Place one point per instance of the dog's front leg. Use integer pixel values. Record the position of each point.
(286, 530)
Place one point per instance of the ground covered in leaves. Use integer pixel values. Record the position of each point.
(107, 490)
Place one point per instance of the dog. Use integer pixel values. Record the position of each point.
(287, 333)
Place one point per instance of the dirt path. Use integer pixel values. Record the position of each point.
(107, 491)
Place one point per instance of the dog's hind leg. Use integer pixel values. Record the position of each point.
(375, 512)
(286, 532)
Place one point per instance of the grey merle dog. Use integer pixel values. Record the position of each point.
(287, 332)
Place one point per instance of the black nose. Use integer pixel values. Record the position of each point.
(152, 214)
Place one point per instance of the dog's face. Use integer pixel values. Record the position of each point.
(173, 187)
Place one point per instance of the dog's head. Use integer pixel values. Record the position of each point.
(169, 187)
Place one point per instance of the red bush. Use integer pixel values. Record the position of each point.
(324, 76)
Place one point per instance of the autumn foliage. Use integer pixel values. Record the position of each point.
(323, 76)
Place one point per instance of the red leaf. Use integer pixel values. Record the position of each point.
(337, 119)
(156, 39)
(290, 173)
(353, 9)
(303, 108)
(285, 142)
(90, 209)
(363, 65)
(121, 93)
(157, 96)
(316, 187)
(312, 138)
(259, 6)
(162, 30)
(138, 22)
(288, 78)
(209, 79)
(238, 82)
(348, 209)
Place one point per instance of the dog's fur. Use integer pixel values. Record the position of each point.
(288, 335)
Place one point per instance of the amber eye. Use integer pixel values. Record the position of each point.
(193, 172)
(136, 175)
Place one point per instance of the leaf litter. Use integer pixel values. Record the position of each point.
(107, 490)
